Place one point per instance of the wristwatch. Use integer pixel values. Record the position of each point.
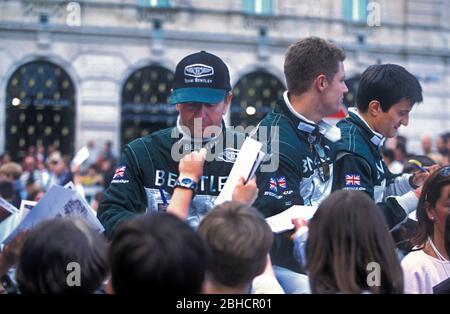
(186, 183)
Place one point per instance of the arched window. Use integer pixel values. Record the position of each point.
(255, 95)
(144, 103)
(40, 109)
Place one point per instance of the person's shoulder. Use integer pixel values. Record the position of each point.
(145, 143)
(414, 261)
(277, 122)
(352, 138)
(273, 119)
(163, 133)
(277, 129)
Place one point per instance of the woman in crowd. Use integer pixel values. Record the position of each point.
(349, 248)
(428, 264)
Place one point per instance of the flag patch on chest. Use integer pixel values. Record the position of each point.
(352, 180)
(277, 183)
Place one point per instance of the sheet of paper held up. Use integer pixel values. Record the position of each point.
(283, 221)
(247, 161)
(57, 202)
(81, 156)
(412, 215)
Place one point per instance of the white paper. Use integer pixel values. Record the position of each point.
(283, 221)
(81, 156)
(10, 223)
(8, 206)
(57, 202)
(412, 215)
(242, 167)
(69, 185)
(25, 208)
(27, 205)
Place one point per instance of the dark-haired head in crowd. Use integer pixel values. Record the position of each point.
(428, 264)
(442, 144)
(239, 240)
(62, 256)
(346, 235)
(157, 253)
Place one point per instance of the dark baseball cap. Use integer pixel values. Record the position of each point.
(200, 77)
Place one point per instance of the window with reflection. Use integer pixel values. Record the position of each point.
(355, 10)
(40, 109)
(144, 103)
(263, 7)
(154, 3)
(255, 95)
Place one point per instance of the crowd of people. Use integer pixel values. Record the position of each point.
(30, 177)
(164, 232)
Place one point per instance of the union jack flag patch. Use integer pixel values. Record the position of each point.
(275, 183)
(120, 172)
(352, 179)
(282, 182)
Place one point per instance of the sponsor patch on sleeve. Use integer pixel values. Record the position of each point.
(119, 174)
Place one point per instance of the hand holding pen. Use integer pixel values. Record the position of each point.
(420, 177)
(418, 165)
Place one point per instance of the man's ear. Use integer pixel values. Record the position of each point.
(321, 82)
(374, 108)
(227, 102)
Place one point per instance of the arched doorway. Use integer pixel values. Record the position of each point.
(144, 103)
(40, 109)
(255, 95)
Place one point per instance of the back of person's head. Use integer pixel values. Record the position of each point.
(159, 253)
(49, 253)
(423, 159)
(309, 58)
(431, 192)
(388, 84)
(239, 240)
(388, 155)
(7, 190)
(346, 234)
(442, 143)
(12, 170)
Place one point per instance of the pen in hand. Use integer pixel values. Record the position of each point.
(163, 197)
(418, 165)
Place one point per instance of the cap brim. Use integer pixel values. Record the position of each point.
(197, 94)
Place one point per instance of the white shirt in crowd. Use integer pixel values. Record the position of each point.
(422, 272)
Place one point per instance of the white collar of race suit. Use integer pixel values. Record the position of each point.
(377, 139)
(329, 131)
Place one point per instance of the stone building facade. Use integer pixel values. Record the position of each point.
(74, 71)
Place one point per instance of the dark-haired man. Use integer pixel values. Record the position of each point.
(385, 97)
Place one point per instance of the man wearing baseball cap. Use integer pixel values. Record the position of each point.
(148, 172)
